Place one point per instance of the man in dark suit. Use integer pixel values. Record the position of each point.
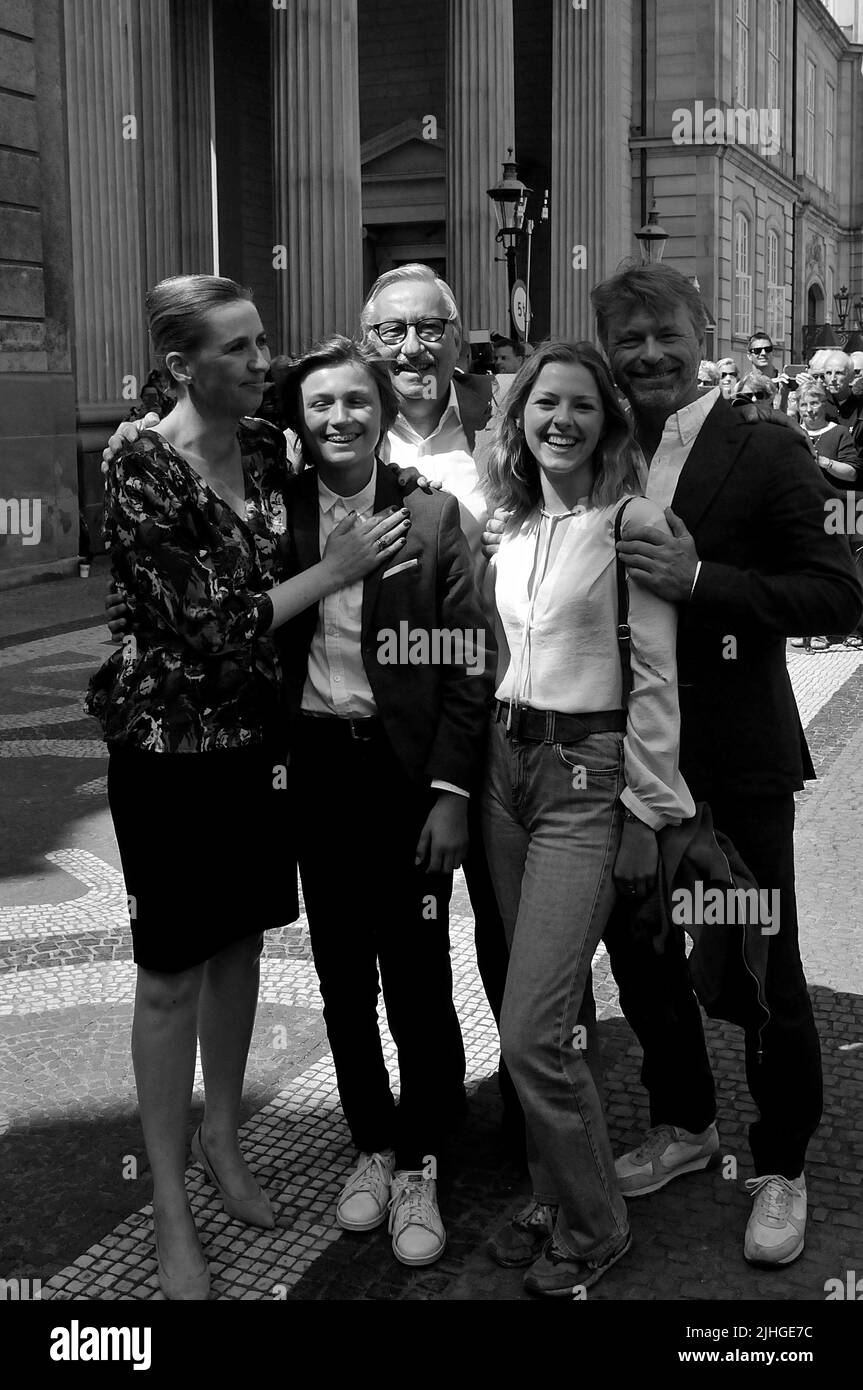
(749, 561)
(389, 682)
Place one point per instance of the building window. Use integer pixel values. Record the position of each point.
(829, 128)
(741, 54)
(742, 278)
(775, 290)
(774, 49)
(810, 118)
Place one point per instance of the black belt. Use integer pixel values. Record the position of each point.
(549, 726)
(333, 726)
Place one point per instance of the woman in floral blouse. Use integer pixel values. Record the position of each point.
(196, 512)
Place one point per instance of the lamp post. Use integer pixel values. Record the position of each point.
(858, 314)
(510, 206)
(841, 299)
(652, 238)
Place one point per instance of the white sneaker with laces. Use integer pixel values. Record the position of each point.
(776, 1229)
(665, 1153)
(365, 1197)
(415, 1225)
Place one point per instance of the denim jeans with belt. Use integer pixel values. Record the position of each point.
(552, 820)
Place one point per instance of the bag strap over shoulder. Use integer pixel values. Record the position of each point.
(624, 634)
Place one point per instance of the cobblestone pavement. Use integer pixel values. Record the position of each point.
(72, 1166)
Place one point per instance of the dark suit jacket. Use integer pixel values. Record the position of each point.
(435, 716)
(753, 499)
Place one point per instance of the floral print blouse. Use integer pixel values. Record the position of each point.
(196, 673)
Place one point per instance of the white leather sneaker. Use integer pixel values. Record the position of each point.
(365, 1197)
(415, 1225)
(776, 1229)
(665, 1153)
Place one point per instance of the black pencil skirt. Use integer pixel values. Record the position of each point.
(208, 849)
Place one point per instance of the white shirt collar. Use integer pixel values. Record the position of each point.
(360, 502)
(688, 421)
(405, 429)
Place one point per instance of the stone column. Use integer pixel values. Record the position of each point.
(106, 208)
(480, 127)
(193, 79)
(590, 193)
(139, 98)
(317, 198)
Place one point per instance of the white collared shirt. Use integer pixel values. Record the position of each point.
(336, 682)
(446, 458)
(678, 436)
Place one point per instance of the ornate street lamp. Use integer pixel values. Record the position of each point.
(510, 207)
(858, 314)
(841, 299)
(652, 238)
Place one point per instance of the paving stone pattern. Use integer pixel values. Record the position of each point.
(71, 1155)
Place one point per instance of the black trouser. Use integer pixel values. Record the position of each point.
(368, 906)
(492, 956)
(657, 1000)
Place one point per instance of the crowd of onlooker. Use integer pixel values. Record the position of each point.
(824, 399)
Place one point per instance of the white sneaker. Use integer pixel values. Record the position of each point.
(415, 1225)
(665, 1153)
(776, 1229)
(365, 1197)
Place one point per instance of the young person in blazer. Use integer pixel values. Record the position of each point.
(389, 687)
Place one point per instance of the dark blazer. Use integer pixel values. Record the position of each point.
(435, 715)
(753, 500)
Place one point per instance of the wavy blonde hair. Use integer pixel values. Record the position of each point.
(513, 479)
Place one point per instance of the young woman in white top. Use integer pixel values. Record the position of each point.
(576, 787)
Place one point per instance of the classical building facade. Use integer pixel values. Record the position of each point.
(305, 146)
(748, 130)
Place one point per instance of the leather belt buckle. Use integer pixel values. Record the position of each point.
(362, 730)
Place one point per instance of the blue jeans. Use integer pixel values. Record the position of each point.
(551, 844)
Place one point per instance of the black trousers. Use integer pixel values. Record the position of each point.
(657, 999)
(369, 908)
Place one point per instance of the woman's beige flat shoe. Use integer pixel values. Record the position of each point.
(253, 1211)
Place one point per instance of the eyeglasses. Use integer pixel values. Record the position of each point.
(394, 331)
(728, 376)
(761, 351)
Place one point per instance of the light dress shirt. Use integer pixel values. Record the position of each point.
(444, 457)
(678, 436)
(336, 682)
(556, 595)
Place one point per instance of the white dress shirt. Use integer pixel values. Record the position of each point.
(678, 436)
(337, 682)
(444, 457)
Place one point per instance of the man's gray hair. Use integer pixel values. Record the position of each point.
(837, 352)
(415, 271)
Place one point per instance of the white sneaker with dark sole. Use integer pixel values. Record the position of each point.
(415, 1225)
(364, 1200)
(665, 1153)
(776, 1230)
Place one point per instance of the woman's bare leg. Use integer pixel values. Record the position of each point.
(164, 1039)
(226, 1017)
